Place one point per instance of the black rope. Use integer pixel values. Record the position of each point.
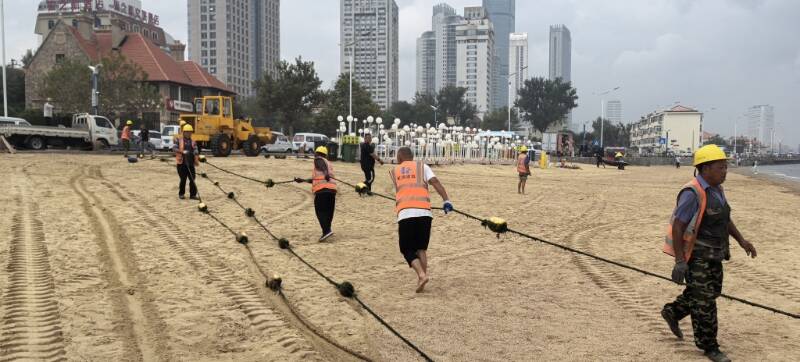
(379, 319)
(233, 173)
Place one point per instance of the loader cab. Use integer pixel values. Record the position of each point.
(214, 106)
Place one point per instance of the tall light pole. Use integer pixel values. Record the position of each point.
(3, 35)
(508, 79)
(95, 93)
(603, 111)
(352, 45)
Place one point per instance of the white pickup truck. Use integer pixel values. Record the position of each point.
(87, 131)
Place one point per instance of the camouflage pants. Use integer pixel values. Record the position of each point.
(703, 286)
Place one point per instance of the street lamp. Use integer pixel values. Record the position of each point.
(353, 60)
(508, 79)
(435, 110)
(603, 111)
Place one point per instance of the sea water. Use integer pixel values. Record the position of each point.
(787, 172)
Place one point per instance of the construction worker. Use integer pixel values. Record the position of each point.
(413, 207)
(324, 189)
(523, 168)
(368, 159)
(698, 239)
(620, 162)
(126, 137)
(187, 157)
(144, 140)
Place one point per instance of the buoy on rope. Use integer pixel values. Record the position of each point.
(269, 183)
(249, 212)
(202, 207)
(202, 158)
(496, 224)
(241, 238)
(346, 289)
(274, 282)
(283, 243)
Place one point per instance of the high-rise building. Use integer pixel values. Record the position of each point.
(443, 24)
(612, 110)
(235, 40)
(561, 59)
(761, 124)
(426, 63)
(517, 64)
(369, 33)
(502, 15)
(475, 58)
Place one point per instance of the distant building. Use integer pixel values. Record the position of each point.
(517, 63)
(178, 81)
(560, 65)
(475, 55)
(612, 110)
(235, 40)
(373, 26)
(502, 14)
(679, 129)
(761, 124)
(426, 63)
(443, 25)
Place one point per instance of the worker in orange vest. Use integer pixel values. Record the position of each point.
(698, 238)
(523, 168)
(187, 157)
(413, 207)
(126, 137)
(324, 189)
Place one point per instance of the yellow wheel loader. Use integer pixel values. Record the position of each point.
(215, 128)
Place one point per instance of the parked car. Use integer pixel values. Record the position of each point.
(281, 144)
(168, 135)
(13, 121)
(305, 141)
(155, 138)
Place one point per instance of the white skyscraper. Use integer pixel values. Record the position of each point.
(613, 110)
(517, 63)
(426, 63)
(235, 40)
(761, 124)
(502, 14)
(475, 58)
(372, 25)
(561, 58)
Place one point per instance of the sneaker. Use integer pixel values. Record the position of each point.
(181, 197)
(329, 234)
(717, 356)
(672, 323)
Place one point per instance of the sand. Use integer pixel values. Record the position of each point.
(101, 261)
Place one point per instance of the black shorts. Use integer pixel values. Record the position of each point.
(415, 233)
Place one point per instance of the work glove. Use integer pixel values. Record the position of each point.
(447, 207)
(327, 177)
(679, 271)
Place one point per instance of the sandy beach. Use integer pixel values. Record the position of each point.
(101, 261)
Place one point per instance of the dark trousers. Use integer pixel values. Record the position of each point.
(184, 172)
(324, 206)
(369, 175)
(703, 286)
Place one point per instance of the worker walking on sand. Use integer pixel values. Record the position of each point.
(413, 207)
(523, 168)
(368, 159)
(187, 157)
(324, 189)
(126, 137)
(698, 238)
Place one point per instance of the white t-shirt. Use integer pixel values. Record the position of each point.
(409, 213)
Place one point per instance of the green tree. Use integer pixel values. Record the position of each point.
(27, 58)
(124, 88)
(545, 102)
(716, 140)
(287, 99)
(402, 109)
(497, 120)
(614, 135)
(337, 103)
(452, 103)
(16, 90)
(69, 86)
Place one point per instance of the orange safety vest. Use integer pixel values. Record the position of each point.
(318, 181)
(690, 235)
(411, 186)
(126, 133)
(521, 163)
(179, 154)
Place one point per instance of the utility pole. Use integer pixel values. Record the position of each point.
(603, 111)
(3, 36)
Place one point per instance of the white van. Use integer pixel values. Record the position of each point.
(305, 141)
(281, 144)
(168, 135)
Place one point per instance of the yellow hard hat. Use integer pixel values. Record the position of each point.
(619, 154)
(523, 149)
(182, 123)
(708, 153)
(129, 122)
(322, 149)
(188, 128)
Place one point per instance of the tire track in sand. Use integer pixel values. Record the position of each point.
(31, 326)
(138, 318)
(257, 304)
(770, 283)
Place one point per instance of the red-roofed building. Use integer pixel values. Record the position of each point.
(178, 81)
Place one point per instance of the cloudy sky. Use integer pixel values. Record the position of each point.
(720, 56)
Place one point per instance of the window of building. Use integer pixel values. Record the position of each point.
(203, 53)
(213, 44)
(74, 23)
(59, 58)
(50, 24)
(202, 26)
(213, 35)
(212, 17)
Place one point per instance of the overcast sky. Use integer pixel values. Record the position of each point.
(722, 54)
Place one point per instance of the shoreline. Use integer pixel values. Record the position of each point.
(791, 186)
